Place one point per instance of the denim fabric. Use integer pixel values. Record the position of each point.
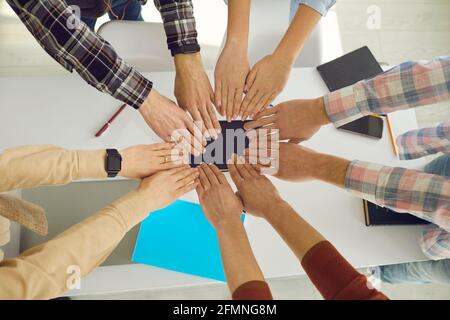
(132, 12)
(417, 272)
(424, 271)
(321, 6)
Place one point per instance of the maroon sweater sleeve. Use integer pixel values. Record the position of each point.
(334, 277)
(253, 290)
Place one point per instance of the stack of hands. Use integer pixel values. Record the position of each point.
(240, 92)
(295, 121)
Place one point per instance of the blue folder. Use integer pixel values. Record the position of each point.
(179, 238)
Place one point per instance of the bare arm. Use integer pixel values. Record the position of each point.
(233, 66)
(223, 209)
(298, 32)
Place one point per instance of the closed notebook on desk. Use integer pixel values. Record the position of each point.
(347, 70)
(180, 238)
(376, 215)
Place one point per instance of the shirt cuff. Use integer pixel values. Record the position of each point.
(134, 89)
(425, 141)
(5, 237)
(341, 106)
(4, 231)
(133, 208)
(253, 290)
(193, 47)
(320, 6)
(362, 179)
(435, 242)
(91, 164)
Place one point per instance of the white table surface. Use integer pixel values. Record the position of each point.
(64, 110)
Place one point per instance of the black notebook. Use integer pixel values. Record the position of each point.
(347, 70)
(231, 140)
(376, 215)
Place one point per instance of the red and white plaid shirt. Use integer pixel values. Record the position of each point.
(409, 85)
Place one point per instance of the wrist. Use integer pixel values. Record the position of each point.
(125, 168)
(319, 111)
(149, 102)
(285, 56)
(229, 225)
(237, 44)
(330, 169)
(133, 207)
(184, 61)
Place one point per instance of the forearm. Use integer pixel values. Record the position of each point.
(72, 44)
(184, 62)
(404, 190)
(408, 85)
(32, 166)
(330, 169)
(45, 271)
(295, 231)
(179, 24)
(332, 275)
(298, 32)
(239, 262)
(238, 23)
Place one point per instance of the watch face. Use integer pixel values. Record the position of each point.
(114, 163)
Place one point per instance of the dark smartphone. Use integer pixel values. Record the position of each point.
(346, 70)
(369, 126)
(232, 139)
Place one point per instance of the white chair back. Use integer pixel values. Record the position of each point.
(143, 45)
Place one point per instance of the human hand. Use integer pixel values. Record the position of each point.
(162, 188)
(194, 93)
(257, 193)
(171, 123)
(230, 74)
(265, 81)
(297, 120)
(295, 162)
(141, 161)
(218, 201)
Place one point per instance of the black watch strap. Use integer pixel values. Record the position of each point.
(113, 163)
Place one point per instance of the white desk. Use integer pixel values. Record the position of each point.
(63, 110)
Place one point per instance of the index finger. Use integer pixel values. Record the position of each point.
(162, 146)
(210, 174)
(234, 173)
(220, 176)
(266, 112)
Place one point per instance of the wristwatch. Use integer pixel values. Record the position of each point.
(113, 163)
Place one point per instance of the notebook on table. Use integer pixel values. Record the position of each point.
(375, 215)
(347, 70)
(180, 238)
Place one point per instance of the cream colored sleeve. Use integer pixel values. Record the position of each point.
(32, 166)
(4, 234)
(43, 272)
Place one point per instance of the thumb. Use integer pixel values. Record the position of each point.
(295, 141)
